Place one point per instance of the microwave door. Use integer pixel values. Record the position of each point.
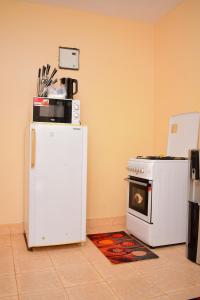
(47, 112)
(56, 110)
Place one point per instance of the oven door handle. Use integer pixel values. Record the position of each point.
(136, 182)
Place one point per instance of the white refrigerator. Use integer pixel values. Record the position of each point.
(56, 178)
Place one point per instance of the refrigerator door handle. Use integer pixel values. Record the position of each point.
(33, 147)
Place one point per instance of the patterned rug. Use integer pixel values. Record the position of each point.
(119, 247)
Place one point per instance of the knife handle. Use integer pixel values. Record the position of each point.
(43, 71)
(53, 73)
(48, 69)
(39, 73)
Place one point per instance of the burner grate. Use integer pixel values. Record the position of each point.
(161, 157)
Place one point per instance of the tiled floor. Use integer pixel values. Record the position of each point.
(81, 272)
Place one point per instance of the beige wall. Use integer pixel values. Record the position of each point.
(116, 83)
(177, 67)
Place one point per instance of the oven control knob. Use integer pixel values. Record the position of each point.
(142, 170)
(76, 107)
(76, 116)
(136, 170)
(133, 169)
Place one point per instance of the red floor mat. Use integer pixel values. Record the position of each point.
(119, 247)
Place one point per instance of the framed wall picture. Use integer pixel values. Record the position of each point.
(68, 58)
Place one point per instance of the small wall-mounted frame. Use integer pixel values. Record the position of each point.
(69, 58)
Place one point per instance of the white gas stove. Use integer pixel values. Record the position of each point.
(158, 187)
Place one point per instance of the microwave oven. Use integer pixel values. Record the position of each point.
(56, 110)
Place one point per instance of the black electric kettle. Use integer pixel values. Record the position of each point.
(71, 86)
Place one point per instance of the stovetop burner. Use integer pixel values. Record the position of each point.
(161, 157)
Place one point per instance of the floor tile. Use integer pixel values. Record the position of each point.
(9, 298)
(187, 293)
(87, 243)
(7, 267)
(95, 291)
(46, 295)
(172, 278)
(16, 228)
(4, 229)
(109, 270)
(67, 256)
(66, 247)
(32, 261)
(173, 253)
(93, 255)
(161, 297)
(6, 260)
(134, 287)
(18, 243)
(5, 252)
(37, 281)
(149, 265)
(8, 285)
(75, 274)
(5, 240)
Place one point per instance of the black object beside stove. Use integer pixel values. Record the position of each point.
(193, 241)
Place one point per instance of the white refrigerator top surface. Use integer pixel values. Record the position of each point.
(183, 134)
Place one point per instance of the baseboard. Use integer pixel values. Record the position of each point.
(105, 224)
(93, 225)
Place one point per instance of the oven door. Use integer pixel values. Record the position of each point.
(52, 110)
(140, 198)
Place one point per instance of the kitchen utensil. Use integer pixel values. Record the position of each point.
(47, 70)
(43, 72)
(46, 88)
(44, 80)
(51, 76)
(38, 82)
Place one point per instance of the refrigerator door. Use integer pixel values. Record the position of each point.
(56, 192)
(183, 134)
